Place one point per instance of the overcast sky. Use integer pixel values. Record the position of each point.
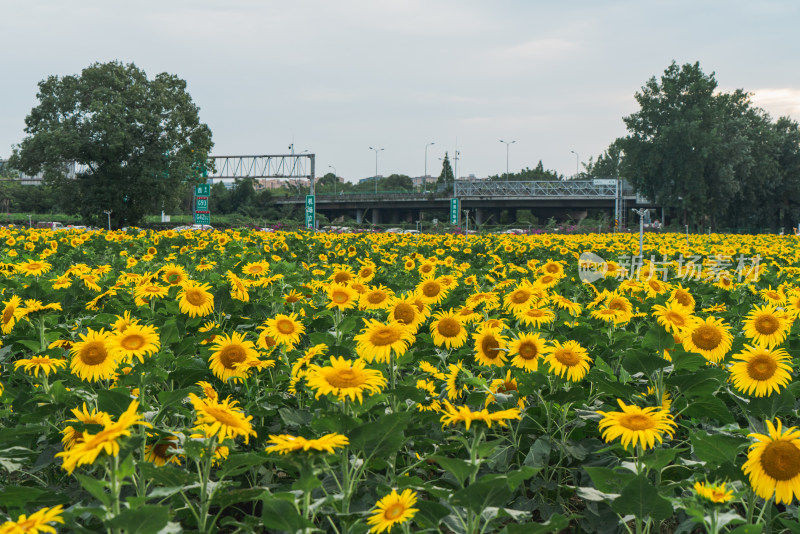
(338, 76)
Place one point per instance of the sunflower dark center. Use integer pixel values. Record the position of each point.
(394, 511)
(231, 355)
(675, 318)
(683, 298)
(520, 296)
(376, 297)
(345, 378)
(637, 422)
(340, 297)
(285, 326)
(761, 367)
(195, 297)
(342, 277)
(766, 324)
(490, 347)
(8, 313)
(449, 327)
(94, 353)
(404, 313)
(431, 289)
(384, 336)
(132, 342)
(567, 357)
(781, 460)
(528, 350)
(707, 337)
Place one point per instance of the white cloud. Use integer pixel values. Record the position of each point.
(778, 102)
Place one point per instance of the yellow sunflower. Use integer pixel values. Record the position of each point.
(761, 371)
(256, 268)
(33, 267)
(378, 340)
(404, 311)
(773, 463)
(285, 329)
(341, 296)
(526, 351)
(285, 443)
(376, 298)
(85, 417)
(136, 341)
(568, 358)
(431, 291)
(710, 338)
(345, 378)
(221, 419)
(195, 299)
(534, 316)
(682, 296)
(392, 510)
(12, 311)
(490, 347)
(636, 425)
(715, 493)
(229, 353)
(448, 330)
(767, 326)
(675, 317)
(174, 275)
(162, 451)
(91, 358)
(35, 364)
(34, 523)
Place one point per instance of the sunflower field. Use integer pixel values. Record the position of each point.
(295, 382)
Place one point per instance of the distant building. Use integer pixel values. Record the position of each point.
(371, 179)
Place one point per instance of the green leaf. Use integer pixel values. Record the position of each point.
(17, 496)
(460, 469)
(658, 459)
(279, 514)
(380, 438)
(643, 362)
(223, 499)
(166, 475)
(489, 490)
(237, 464)
(539, 453)
(114, 401)
(749, 529)
(145, 519)
(709, 407)
(430, 514)
(556, 523)
(641, 499)
(700, 383)
(176, 396)
(97, 488)
(716, 449)
(658, 339)
(609, 480)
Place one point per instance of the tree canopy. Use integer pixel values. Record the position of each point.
(711, 156)
(139, 140)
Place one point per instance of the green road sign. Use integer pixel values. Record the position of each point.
(310, 210)
(454, 211)
(202, 218)
(201, 204)
(202, 190)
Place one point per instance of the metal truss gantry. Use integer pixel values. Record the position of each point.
(269, 166)
(539, 189)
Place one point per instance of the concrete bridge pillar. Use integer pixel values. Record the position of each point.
(478, 216)
(395, 216)
(376, 216)
(359, 215)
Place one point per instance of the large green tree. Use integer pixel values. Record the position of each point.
(690, 147)
(446, 177)
(140, 141)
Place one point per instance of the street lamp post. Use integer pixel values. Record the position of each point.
(335, 178)
(376, 167)
(108, 214)
(425, 178)
(577, 159)
(507, 143)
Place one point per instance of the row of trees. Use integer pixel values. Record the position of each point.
(709, 157)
